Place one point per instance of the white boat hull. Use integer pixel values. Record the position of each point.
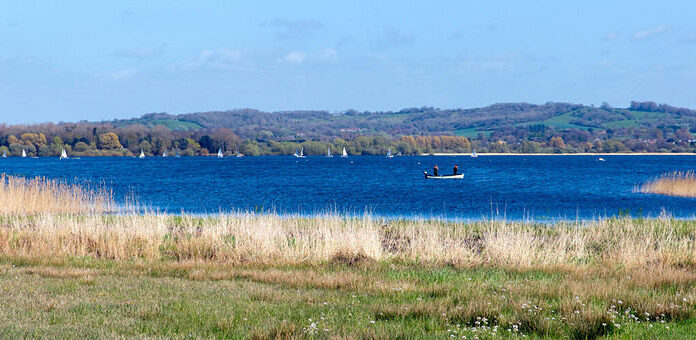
(457, 176)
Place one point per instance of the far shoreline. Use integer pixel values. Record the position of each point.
(566, 154)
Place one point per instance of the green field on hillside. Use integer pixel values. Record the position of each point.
(172, 124)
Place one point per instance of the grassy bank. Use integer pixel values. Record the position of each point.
(85, 273)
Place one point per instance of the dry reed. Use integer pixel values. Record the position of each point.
(61, 225)
(271, 239)
(676, 183)
(21, 196)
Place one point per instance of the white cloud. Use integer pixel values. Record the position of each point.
(648, 33)
(295, 57)
(611, 36)
(121, 74)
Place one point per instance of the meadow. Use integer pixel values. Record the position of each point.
(73, 266)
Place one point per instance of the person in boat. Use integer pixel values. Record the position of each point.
(436, 171)
(455, 170)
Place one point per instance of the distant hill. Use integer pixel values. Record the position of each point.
(500, 128)
(424, 120)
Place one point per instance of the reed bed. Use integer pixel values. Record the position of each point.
(677, 183)
(42, 218)
(271, 239)
(22, 196)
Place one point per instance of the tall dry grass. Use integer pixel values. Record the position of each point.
(677, 183)
(271, 239)
(48, 219)
(21, 196)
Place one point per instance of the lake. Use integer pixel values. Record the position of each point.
(512, 187)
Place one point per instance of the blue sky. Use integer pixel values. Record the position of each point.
(99, 60)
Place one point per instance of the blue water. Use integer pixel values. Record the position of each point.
(513, 187)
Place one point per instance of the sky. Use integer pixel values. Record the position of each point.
(102, 60)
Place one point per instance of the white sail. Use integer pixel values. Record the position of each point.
(63, 154)
(164, 154)
(345, 154)
(4, 154)
(300, 155)
(142, 154)
(473, 154)
(389, 155)
(24, 153)
(219, 154)
(328, 152)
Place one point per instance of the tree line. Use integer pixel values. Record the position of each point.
(509, 128)
(130, 141)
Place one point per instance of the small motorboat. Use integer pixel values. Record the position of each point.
(450, 176)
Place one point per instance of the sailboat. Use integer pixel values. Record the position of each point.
(345, 154)
(24, 154)
(473, 154)
(239, 154)
(219, 154)
(63, 154)
(328, 152)
(142, 154)
(164, 154)
(4, 154)
(301, 154)
(389, 154)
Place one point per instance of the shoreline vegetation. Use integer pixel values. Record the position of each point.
(509, 128)
(74, 270)
(677, 183)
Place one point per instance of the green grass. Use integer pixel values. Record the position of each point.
(85, 297)
(172, 124)
(640, 118)
(558, 122)
(471, 132)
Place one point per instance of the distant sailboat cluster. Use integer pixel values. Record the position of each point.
(220, 153)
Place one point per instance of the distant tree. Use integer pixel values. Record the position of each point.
(109, 141)
(57, 145)
(16, 149)
(557, 143)
(81, 147)
(145, 147)
(250, 148)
